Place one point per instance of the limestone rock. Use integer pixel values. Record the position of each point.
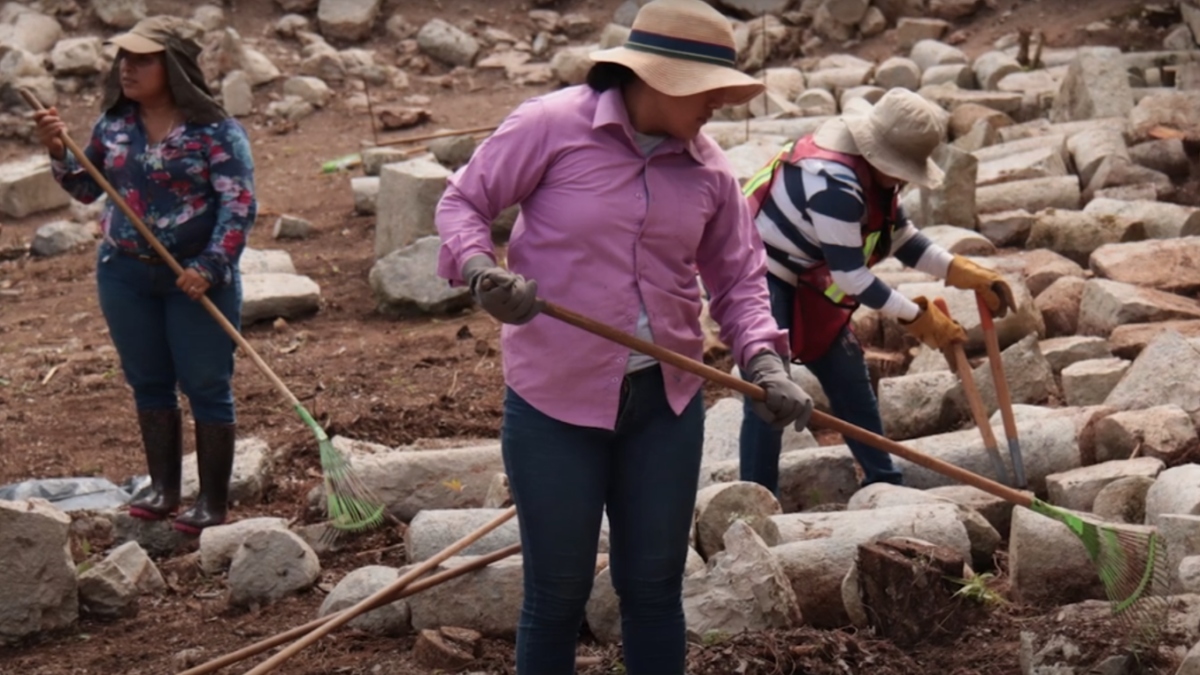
(447, 43)
(348, 20)
(1096, 85)
(39, 589)
(1162, 374)
(405, 281)
(392, 619)
(269, 296)
(1162, 432)
(744, 588)
(271, 566)
(1108, 304)
(27, 187)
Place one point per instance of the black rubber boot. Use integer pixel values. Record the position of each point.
(214, 454)
(162, 440)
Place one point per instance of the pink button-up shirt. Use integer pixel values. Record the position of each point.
(604, 230)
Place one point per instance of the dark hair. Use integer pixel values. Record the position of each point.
(604, 76)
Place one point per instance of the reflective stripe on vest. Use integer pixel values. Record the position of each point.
(836, 294)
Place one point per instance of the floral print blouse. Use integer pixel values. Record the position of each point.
(194, 189)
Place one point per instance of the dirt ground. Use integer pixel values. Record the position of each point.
(66, 411)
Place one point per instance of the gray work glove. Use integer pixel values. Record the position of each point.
(786, 403)
(504, 295)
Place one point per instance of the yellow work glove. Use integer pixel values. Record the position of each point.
(934, 327)
(990, 286)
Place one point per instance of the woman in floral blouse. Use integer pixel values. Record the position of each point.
(185, 167)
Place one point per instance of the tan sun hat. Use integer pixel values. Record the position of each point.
(683, 47)
(897, 136)
(149, 36)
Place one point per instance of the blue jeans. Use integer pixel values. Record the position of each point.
(562, 477)
(167, 340)
(842, 372)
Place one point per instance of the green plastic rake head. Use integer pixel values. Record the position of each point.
(1132, 563)
(349, 503)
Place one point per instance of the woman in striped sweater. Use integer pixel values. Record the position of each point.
(827, 208)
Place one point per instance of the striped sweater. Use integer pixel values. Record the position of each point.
(813, 214)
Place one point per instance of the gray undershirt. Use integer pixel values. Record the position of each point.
(637, 361)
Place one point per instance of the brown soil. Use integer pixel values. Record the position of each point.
(65, 410)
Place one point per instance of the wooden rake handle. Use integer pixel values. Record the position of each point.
(163, 253)
(382, 595)
(755, 392)
(1003, 396)
(974, 401)
(473, 131)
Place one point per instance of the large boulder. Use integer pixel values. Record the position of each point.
(744, 588)
(349, 20)
(391, 619)
(270, 296)
(113, 586)
(1164, 373)
(409, 193)
(270, 567)
(1096, 86)
(1168, 264)
(39, 588)
(121, 14)
(405, 281)
(1105, 305)
(447, 43)
(28, 187)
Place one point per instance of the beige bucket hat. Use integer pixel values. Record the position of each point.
(897, 136)
(683, 47)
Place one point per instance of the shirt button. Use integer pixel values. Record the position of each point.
(614, 379)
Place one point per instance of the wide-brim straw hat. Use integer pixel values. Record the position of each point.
(681, 48)
(897, 136)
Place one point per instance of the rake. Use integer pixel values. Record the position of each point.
(1131, 561)
(349, 503)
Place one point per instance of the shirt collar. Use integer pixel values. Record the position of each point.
(610, 111)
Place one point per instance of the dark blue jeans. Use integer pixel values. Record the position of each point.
(562, 477)
(167, 340)
(842, 372)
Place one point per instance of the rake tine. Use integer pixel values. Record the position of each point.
(1003, 397)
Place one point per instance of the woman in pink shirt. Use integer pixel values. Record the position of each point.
(623, 201)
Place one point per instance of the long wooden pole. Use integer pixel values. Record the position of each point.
(389, 591)
(975, 401)
(437, 134)
(1003, 396)
(756, 392)
(300, 631)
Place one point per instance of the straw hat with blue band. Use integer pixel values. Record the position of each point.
(681, 48)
